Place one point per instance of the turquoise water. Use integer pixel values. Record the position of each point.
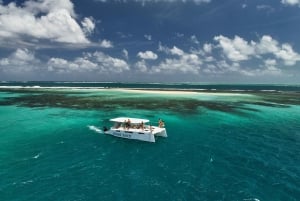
(220, 146)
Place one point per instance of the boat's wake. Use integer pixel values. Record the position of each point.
(96, 129)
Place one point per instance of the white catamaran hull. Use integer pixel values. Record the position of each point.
(138, 134)
(135, 129)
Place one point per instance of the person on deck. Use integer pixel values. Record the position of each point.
(128, 124)
(160, 122)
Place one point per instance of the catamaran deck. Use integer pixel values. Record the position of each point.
(133, 128)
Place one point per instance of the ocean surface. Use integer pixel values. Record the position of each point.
(225, 142)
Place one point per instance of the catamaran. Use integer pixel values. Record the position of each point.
(136, 129)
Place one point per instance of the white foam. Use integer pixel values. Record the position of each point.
(94, 128)
(40, 87)
(251, 199)
(269, 90)
(37, 156)
(27, 182)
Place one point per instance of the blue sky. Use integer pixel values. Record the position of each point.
(215, 41)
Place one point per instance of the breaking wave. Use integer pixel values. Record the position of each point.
(94, 128)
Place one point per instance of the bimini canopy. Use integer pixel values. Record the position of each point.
(132, 120)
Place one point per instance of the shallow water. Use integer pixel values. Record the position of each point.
(220, 147)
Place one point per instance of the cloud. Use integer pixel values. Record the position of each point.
(238, 49)
(22, 60)
(270, 67)
(89, 62)
(176, 51)
(147, 55)
(60, 65)
(270, 70)
(270, 62)
(207, 48)
(46, 6)
(187, 63)
(177, 61)
(182, 62)
(260, 72)
(173, 51)
(108, 63)
(291, 2)
(267, 45)
(88, 25)
(106, 44)
(285, 52)
(260, 57)
(194, 39)
(266, 8)
(125, 54)
(155, 1)
(179, 35)
(148, 37)
(52, 20)
(141, 66)
(221, 67)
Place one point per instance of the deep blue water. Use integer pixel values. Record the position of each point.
(220, 146)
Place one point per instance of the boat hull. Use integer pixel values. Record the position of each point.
(138, 134)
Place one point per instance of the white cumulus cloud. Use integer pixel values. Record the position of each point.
(285, 52)
(64, 66)
(187, 63)
(270, 62)
(183, 62)
(89, 62)
(267, 45)
(106, 44)
(52, 20)
(238, 49)
(207, 48)
(173, 51)
(147, 55)
(141, 66)
(88, 25)
(291, 2)
(22, 60)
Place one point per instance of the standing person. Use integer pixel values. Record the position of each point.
(159, 123)
(125, 124)
(128, 123)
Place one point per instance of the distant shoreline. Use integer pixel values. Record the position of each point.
(158, 88)
(163, 90)
(263, 95)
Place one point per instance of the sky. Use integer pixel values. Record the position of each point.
(205, 41)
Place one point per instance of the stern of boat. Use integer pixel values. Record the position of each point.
(161, 132)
